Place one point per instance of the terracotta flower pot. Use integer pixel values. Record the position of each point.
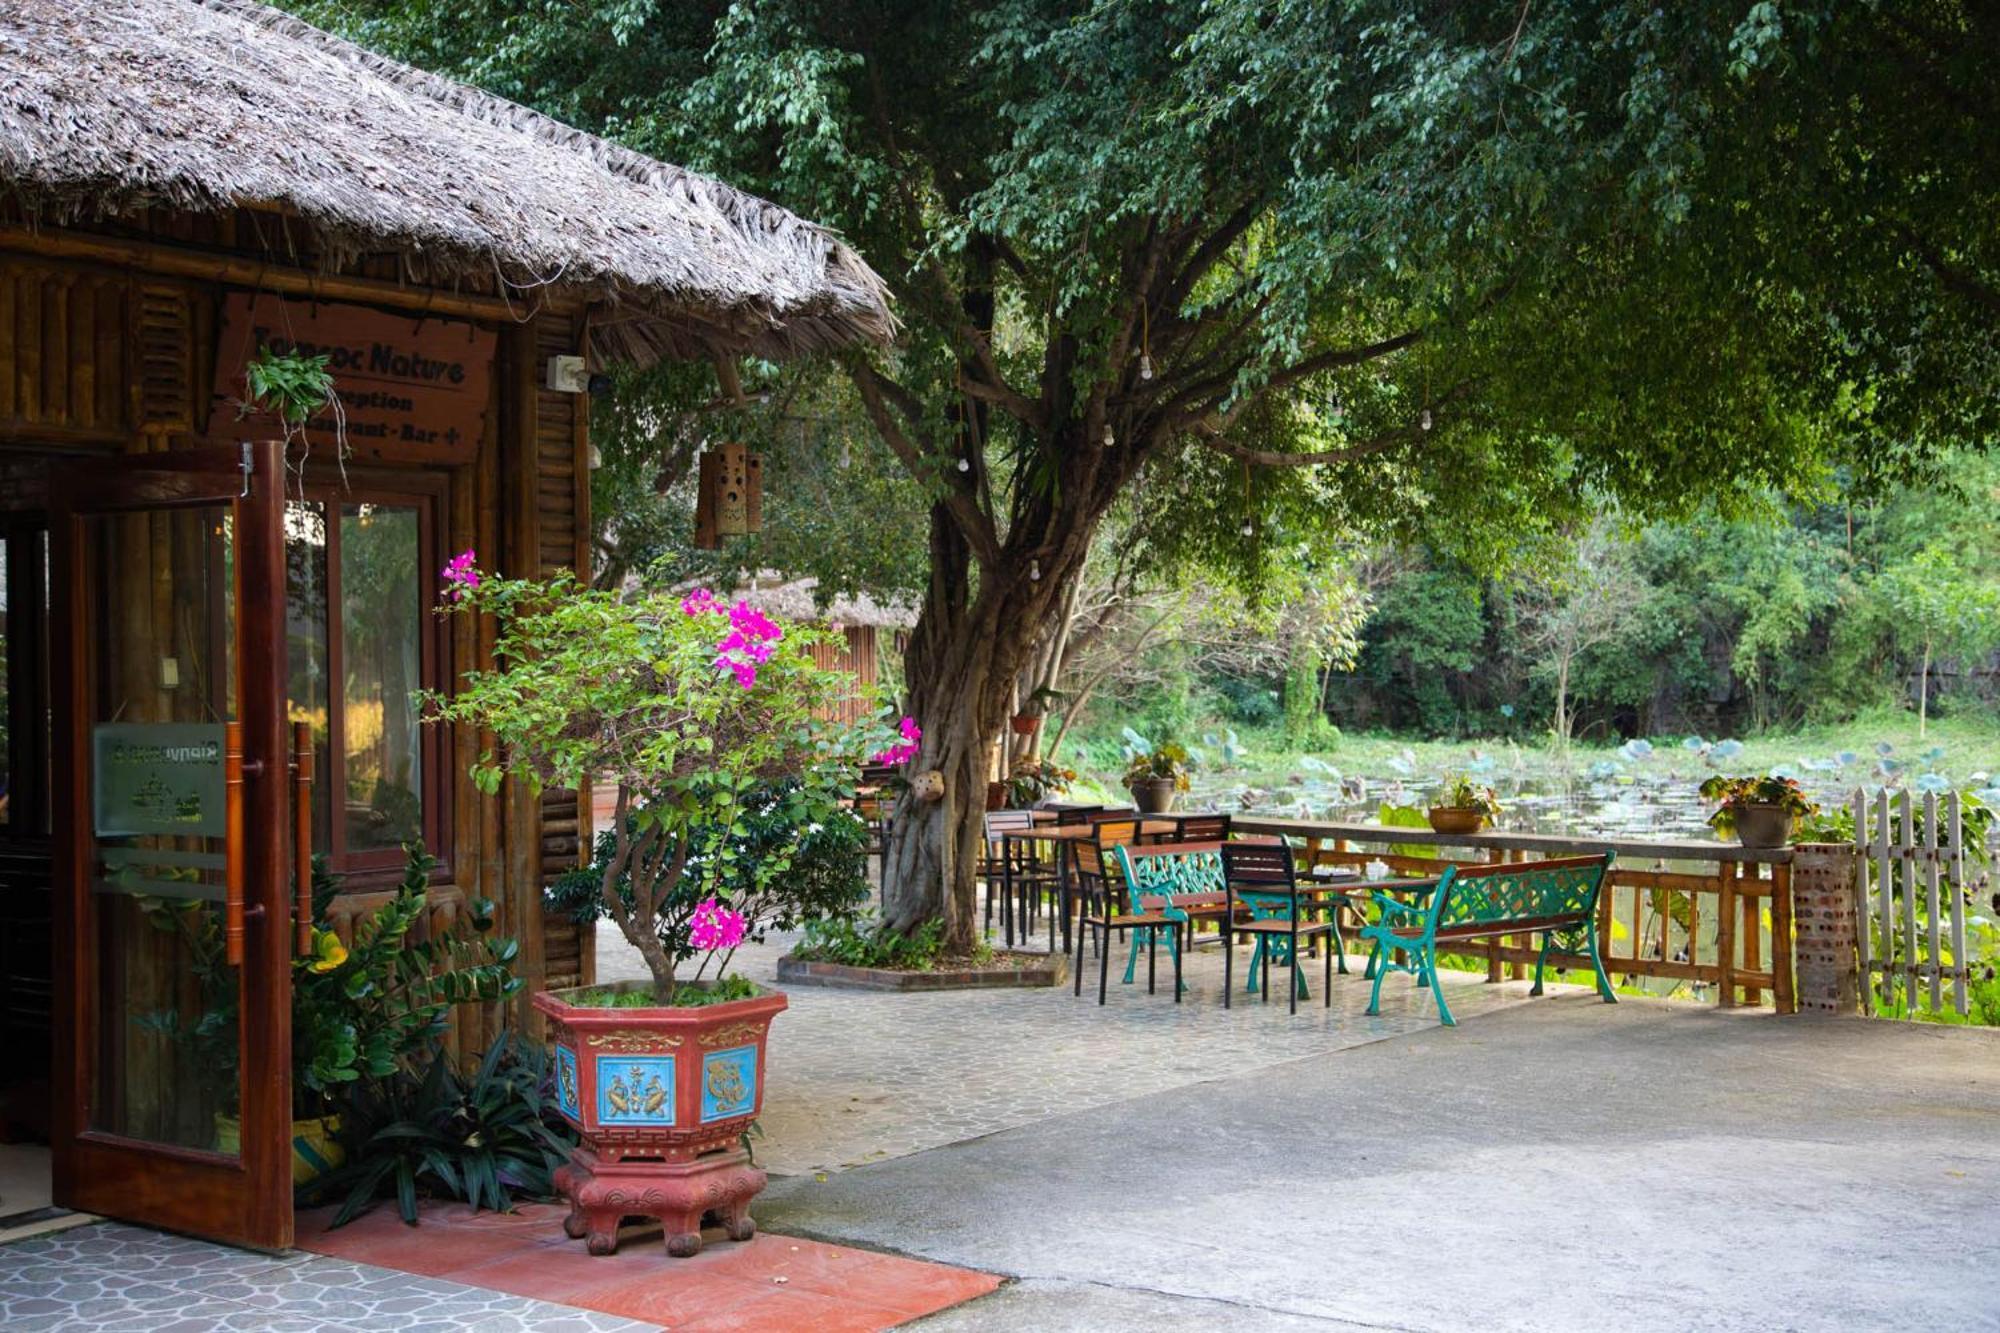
(1763, 825)
(996, 796)
(1154, 796)
(1456, 818)
(661, 1097)
(1026, 724)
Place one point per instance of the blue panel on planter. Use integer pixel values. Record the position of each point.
(566, 1097)
(635, 1089)
(728, 1083)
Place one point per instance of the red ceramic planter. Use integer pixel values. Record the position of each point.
(660, 1097)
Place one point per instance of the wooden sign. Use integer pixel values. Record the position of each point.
(729, 495)
(413, 389)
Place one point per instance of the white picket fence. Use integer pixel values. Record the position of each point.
(1915, 878)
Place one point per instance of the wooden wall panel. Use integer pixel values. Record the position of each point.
(63, 333)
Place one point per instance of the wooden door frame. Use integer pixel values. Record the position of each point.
(246, 1199)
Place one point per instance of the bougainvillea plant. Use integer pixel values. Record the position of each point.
(695, 709)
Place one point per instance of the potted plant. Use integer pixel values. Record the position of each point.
(1034, 781)
(705, 716)
(1760, 811)
(1463, 806)
(1156, 776)
(360, 1012)
(1036, 706)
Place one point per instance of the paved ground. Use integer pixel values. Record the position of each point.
(108, 1277)
(1556, 1164)
(859, 1077)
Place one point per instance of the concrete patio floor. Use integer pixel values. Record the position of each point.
(1555, 1164)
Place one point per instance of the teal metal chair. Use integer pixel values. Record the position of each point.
(1555, 899)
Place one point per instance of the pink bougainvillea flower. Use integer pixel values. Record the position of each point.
(699, 602)
(460, 575)
(715, 926)
(904, 750)
(748, 645)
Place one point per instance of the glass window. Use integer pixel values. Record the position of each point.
(381, 670)
(357, 657)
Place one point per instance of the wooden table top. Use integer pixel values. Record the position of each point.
(1150, 828)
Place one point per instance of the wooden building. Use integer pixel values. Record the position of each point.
(182, 184)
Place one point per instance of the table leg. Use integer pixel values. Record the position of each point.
(1007, 892)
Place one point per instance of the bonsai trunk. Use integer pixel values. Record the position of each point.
(653, 875)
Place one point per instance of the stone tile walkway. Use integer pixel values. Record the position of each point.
(859, 1077)
(110, 1278)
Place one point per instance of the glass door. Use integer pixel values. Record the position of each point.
(173, 994)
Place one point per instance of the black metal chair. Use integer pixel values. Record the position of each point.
(1262, 877)
(1003, 855)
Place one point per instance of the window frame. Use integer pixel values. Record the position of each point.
(427, 495)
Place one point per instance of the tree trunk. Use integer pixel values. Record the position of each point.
(964, 655)
(966, 651)
(1924, 693)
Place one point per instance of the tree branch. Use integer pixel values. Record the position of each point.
(973, 522)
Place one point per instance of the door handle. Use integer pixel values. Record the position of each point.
(302, 781)
(234, 849)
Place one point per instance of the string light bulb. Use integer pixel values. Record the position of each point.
(1249, 528)
(1425, 420)
(1109, 438)
(965, 465)
(1034, 571)
(1145, 366)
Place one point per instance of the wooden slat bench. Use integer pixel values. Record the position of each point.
(1548, 898)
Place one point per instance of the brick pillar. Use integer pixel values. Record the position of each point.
(1823, 911)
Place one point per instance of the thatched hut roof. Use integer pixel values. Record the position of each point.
(107, 106)
(798, 599)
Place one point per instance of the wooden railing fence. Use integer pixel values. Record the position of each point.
(1710, 915)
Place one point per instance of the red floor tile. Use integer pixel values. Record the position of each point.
(771, 1282)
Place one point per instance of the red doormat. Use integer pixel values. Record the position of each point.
(771, 1282)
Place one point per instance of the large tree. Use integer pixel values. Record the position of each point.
(1471, 263)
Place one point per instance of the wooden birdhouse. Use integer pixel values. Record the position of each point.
(729, 495)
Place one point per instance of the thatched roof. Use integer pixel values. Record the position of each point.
(210, 105)
(798, 599)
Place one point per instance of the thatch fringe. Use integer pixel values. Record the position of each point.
(109, 106)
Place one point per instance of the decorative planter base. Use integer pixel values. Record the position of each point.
(679, 1195)
(660, 1097)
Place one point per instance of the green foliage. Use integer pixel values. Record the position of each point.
(688, 995)
(721, 756)
(366, 1013)
(1732, 794)
(484, 1139)
(1405, 816)
(1462, 793)
(1165, 759)
(867, 942)
(290, 385)
(1032, 780)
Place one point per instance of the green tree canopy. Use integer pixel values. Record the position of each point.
(1477, 264)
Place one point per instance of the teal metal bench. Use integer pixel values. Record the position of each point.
(1554, 899)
